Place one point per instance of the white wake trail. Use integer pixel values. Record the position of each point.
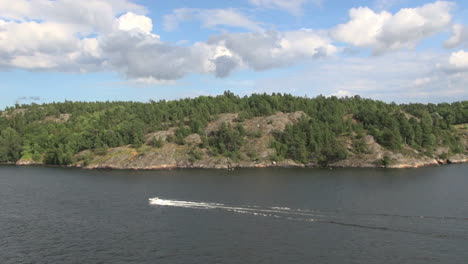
(372, 221)
(277, 212)
(185, 204)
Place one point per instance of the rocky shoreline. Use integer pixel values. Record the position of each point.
(426, 162)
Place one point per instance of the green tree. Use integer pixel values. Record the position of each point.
(10, 145)
(227, 140)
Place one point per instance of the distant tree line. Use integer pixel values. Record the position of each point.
(25, 131)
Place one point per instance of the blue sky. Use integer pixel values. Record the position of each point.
(392, 50)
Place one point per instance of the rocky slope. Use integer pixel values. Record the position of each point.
(256, 152)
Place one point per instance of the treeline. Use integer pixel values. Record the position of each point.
(55, 132)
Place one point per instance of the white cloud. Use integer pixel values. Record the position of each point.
(29, 37)
(143, 56)
(458, 61)
(384, 31)
(58, 42)
(33, 45)
(140, 56)
(420, 82)
(272, 49)
(95, 15)
(342, 93)
(53, 35)
(363, 29)
(114, 36)
(295, 7)
(210, 18)
(132, 21)
(400, 76)
(118, 37)
(459, 36)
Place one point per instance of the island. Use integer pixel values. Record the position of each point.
(230, 131)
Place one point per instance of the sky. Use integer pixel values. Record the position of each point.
(140, 50)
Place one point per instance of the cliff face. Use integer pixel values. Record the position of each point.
(255, 152)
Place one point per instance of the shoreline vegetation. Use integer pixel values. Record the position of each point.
(228, 131)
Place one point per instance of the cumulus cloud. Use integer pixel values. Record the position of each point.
(56, 35)
(210, 18)
(459, 36)
(132, 21)
(224, 65)
(34, 45)
(295, 7)
(139, 55)
(92, 15)
(272, 49)
(384, 31)
(116, 36)
(39, 35)
(457, 62)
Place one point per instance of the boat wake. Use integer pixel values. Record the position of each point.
(253, 210)
(377, 221)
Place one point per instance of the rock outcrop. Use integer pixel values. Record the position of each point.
(27, 162)
(255, 153)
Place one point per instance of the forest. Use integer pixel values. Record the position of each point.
(54, 133)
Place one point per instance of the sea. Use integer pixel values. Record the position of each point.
(270, 215)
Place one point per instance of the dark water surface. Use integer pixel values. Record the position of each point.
(50, 215)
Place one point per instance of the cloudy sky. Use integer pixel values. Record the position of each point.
(393, 50)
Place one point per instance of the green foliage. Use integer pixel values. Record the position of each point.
(359, 145)
(87, 157)
(443, 156)
(386, 161)
(97, 126)
(309, 141)
(60, 155)
(181, 133)
(391, 139)
(255, 134)
(170, 139)
(227, 140)
(10, 145)
(100, 151)
(244, 115)
(156, 142)
(204, 142)
(253, 155)
(195, 154)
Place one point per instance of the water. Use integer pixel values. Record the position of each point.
(50, 215)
